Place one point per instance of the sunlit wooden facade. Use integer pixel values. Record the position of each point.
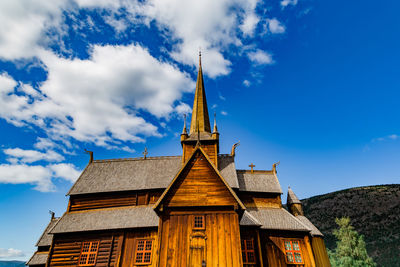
(191, 210)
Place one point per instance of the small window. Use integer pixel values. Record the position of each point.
(199, 223)
(89, 253)
(143, 251)
(248, 252)
(293, 253)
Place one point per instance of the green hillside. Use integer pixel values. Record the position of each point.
(374, 212)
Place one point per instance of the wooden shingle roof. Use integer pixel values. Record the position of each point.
(277, 219)
(46, 238)
(38, 258)
(258, 181)
(313, 228)
(106, 219)
(138, 174)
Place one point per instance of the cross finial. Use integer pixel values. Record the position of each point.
(145, 153)
(252, 166)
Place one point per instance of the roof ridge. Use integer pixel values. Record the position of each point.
(255, 171)
(133, 159)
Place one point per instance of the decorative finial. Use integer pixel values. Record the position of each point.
(274, 167)
(234, 148)
(52, 213)
(200, 56)
(184, 131)
(145, 153)
(91, 155)
(252, 166)
(215, 130)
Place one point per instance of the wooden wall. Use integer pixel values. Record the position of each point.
(260, 200)
(108, 200)
(275, 249)
(210, 147)
(131, 237)
(66, 249)
(183, 246)
(320, 253)
(199, 185)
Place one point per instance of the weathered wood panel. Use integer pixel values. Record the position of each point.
(210, 148)
(108, 200)
(276, 250)
(67, 248)
(129, 250)
(261, 200)
(218, 244)
(199, 185)
(320, 253)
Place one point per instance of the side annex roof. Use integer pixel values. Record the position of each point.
(198, 148)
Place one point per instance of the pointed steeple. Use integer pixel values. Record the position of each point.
(200, 120)
(184, 131)
(293, 203)
(292, 198)
(215, 130)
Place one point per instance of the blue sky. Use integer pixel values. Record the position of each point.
(312, 84)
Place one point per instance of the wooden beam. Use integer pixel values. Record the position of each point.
(259, 249)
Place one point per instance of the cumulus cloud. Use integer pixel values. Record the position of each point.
(23, 25)
(29, 156)
(260, 57)
(38, 175)
(183, 108)
(10, 253)
(119, 78)
(275, 26)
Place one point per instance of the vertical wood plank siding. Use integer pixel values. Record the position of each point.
(129, 250)
(320, 253)
(220, 241)
(199, 185)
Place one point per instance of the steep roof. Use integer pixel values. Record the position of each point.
(46, 238)
(38, 258)
(309, 224)
(258, 181)
(198, 149)
(200, 119)
(292, 198)
(106, 219)
(276, 219)
(137, 174)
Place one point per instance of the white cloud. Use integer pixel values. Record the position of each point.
(275, 26)
(183, 108)
(220, 96)
(224, 113)
(260, 57)
(65, 171)
(44, 143)
(37, 175)
(119, 78)
(285, 3)
(246, 83)
(251, 18)
(23, 24)
(386, 138)
(10, 253)
(29, 156)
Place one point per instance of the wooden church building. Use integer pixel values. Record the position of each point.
(193, 210)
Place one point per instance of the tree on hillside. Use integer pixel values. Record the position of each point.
(350, 248)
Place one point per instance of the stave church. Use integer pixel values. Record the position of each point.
(193, 210)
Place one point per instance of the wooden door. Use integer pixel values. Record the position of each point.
(197, 249)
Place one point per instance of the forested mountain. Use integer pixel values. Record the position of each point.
(374, 212)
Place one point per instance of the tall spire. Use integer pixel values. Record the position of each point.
(200, 119)
(215, 130)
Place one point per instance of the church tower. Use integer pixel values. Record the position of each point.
(200, 129)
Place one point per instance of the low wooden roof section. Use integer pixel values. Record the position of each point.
(195, 150)
(106, 219)
(38, 258)
(258, 181)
